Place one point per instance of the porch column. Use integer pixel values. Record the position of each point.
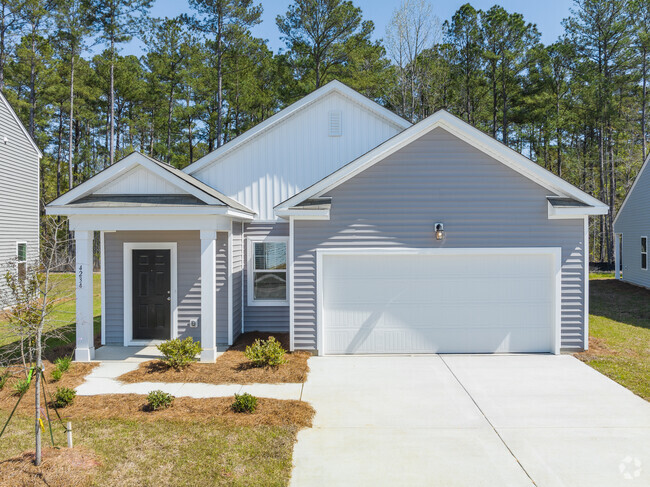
(85, 349)
(208, 296)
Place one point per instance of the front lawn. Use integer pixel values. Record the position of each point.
(619, 329)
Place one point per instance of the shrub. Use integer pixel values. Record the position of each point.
(56, 374)
(3, 379)
(21, 387)
(263, 353)
(63, 363)
(244, 403)
(159, 400)
(63, 397)
(179, 353)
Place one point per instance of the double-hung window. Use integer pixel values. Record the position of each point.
(644, 253)
(267, 272)
(21, 259)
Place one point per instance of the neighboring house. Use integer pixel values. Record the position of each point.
(632, 231)
(19, 194)
(341, 224)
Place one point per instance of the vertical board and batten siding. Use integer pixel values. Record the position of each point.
(439, 178)
(296, 153)
(237, 277)
(264, 318)
(633, 222)
(138, 181)
(19, 190)
(188, 283)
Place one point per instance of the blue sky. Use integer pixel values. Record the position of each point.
(547, 14)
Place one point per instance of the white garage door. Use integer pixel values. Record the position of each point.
(438, 303)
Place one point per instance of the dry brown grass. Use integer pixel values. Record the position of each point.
(71, 379)
(269, 412)
(232, 367)
(64, 467)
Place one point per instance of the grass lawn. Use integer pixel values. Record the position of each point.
(169, 453)
(619, 329)
(63, 317)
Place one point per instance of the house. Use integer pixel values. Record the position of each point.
(631, 232)
(19, 195)
(347, 227)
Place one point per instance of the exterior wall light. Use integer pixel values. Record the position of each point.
(440, 231)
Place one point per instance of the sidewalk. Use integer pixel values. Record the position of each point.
(102, 380)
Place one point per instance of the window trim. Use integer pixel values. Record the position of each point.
(18, 262)
(644, 253)
(250, 262)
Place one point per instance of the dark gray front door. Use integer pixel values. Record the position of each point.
(151, 294)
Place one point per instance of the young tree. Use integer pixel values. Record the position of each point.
(116, 21)
(32, 295)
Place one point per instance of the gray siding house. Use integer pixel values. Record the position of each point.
(631, 232)
(19, 193)
(348, 228)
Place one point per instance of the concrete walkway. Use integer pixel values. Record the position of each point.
(454, 420)
(102, 380)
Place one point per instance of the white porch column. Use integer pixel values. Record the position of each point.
(85, 349)
(208, 296)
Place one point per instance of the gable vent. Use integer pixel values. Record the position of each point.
(335, 127)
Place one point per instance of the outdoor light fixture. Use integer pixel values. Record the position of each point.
(440, 231)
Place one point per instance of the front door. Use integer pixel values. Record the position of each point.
(151, 294)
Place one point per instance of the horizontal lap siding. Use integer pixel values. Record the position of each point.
(439, 178)
(19, 194)
(264, 318)
(237, 277)
(633, 222)
(189, 279)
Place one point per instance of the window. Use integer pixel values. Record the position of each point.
(267, 277)
(644, 253)
(21, 259)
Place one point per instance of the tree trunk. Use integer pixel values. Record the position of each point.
(112, 103)
(558, 132)
(32, 85)
(37, 400)
(219, 78)
(58, 154)
(644, 93)
(71, 122)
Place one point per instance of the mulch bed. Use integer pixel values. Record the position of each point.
(269, 412)
(59, 468)
(71, 379)
(232, 367)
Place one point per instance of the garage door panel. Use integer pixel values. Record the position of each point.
(409, 303)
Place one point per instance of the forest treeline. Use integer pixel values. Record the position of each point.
(577, 106)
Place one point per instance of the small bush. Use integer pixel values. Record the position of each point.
(3, 379)
(21, 387)
(179, 353)
(63, 397)
(56, 375)
(63, 363)
(159, 400)
(244, 403)
(265, 353)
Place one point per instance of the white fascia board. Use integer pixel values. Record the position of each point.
(463, 131)
(122, 167)
(627, 197)
(577, 212)
(148, 210)
(110, 223)
(291, 110)
(22, 127)
(304, 214)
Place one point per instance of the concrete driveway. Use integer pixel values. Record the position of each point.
(468, 420)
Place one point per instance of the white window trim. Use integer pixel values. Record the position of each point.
(646, 253)
(250, 263)
(19, 242)
(128, 290)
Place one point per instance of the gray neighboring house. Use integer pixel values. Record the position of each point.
(345, 226)
(19, 192)
(632, 231)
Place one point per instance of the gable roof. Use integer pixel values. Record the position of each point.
(629, 193)
(463, 131)
(20, 124)
(185, 182)
(331, 87)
